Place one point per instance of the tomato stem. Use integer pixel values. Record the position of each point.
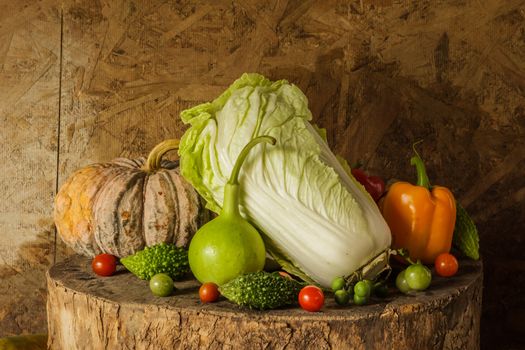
(405, 254)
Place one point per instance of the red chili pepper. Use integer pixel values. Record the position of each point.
(373, 184)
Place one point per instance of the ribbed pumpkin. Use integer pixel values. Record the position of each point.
(124, 205)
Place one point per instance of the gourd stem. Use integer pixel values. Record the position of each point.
(155, 156)
(234, 177)
(231, 189)
(422, 177)
(230, 206)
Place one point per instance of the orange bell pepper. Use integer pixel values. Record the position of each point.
(421, 218)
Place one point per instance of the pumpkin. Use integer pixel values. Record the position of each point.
(124, 205)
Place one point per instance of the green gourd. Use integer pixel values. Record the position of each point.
(228, 246)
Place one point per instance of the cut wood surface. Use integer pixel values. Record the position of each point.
(120, 312)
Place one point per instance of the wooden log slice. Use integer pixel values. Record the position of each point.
(119, 312)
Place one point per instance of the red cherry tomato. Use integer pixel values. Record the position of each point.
(373, 184)
(446, 265)
(311, 298)
(209, 292)
(104, 264)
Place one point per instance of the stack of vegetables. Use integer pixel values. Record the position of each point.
(280, 192)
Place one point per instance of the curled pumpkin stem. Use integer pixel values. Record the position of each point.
(155, 156)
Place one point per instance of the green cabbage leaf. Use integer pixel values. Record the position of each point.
(317, 221)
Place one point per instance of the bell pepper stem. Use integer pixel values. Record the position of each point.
(231, 189)
(422, 177)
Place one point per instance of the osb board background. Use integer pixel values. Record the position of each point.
(379, 75)
(29, 88)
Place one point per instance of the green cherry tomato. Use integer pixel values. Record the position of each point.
(161, 285)
(418, 276)
(381, 290)
(401, 282)
(338, 283)
(370, 285)
(359, 300)
(362, 289)
(342, 297)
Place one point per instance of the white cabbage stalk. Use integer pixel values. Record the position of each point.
(317, 221)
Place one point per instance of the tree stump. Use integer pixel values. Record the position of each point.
(119, 312)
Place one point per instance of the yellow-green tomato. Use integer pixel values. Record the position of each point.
(401, 283)
(161, 285)
(360, 300)
(342, 297)
(363, 288)
(418, 276)
(338, 283)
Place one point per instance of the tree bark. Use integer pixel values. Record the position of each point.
(119, 312)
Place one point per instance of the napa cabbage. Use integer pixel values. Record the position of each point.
(316, 220)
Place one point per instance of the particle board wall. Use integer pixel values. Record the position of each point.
(379, 75)
(29, 76)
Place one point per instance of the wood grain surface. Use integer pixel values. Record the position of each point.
(379, 75)
(87, 311)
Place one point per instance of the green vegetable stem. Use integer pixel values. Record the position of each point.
(230, 206)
